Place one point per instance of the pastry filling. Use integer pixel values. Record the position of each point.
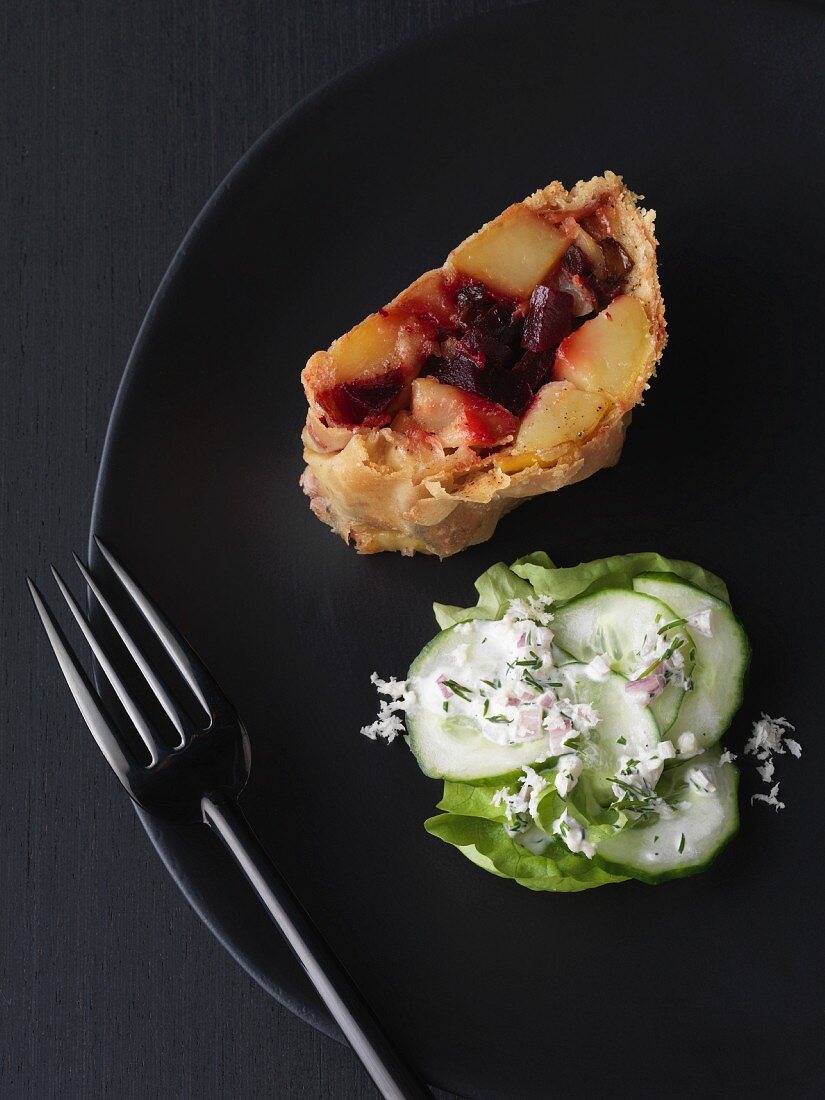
(462, 354)
(505, 354)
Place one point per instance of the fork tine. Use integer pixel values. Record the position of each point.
(177, 716)
(100, 724)
(151, 741)
(190, 667)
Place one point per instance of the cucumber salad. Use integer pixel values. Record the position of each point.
(574, 716)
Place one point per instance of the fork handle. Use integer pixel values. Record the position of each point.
(393, 1078)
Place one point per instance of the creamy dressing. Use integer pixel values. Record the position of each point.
(530, 836)
(573, 834)
(635, 785)
(569, 768)
(523, 801)
(597, 670)
(513, 689)
(507, 680)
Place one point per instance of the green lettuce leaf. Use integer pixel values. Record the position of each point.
(469, 810)
(476, 799)
(536, 574)
(488, 845)
(495, 589)
(615, 572)
(580, 803)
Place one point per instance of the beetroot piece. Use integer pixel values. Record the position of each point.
(514, 389)
(486, 360)
(488, 352)
(506, 387)
(589, 292)
(431, 366)
(549, 319)
(499, 323)
(511, 391)
(359, 401)
(473, 300)
(574, 261)
(533, 368)
(479, 308)
(456, 370)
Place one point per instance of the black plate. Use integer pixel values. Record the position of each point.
(717, 113)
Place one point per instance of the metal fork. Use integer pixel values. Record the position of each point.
(199, 780)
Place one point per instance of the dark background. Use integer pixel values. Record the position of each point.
(117, 121)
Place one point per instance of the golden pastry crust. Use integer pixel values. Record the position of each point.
(384, 489)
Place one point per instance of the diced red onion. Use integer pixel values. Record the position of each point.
(648, 687)
(445, 691)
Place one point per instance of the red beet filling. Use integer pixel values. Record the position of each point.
(505, 355)
(498, 354)
(549, 319)
(497, 351)
(363, 401)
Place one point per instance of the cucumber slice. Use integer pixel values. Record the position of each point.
(454, 748)
(671, 847)
(626, 729)
(721, 660)
(618, 624)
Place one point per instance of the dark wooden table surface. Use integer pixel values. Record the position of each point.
(117, 121)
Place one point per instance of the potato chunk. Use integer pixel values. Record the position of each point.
(513, 253)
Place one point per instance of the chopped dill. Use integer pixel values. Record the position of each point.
(459, 689)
